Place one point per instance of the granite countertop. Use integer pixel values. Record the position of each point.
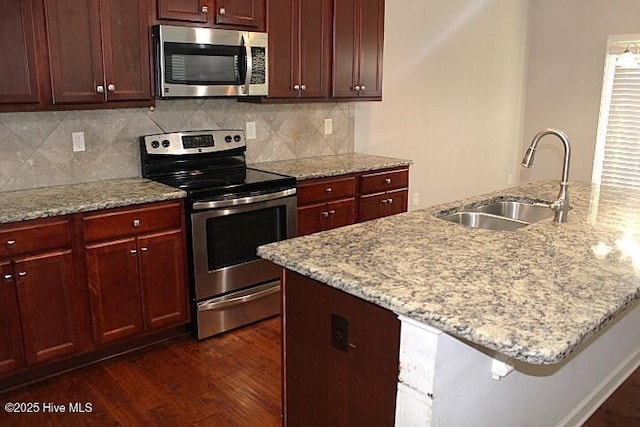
(326, 166)
(45, 202)
(534, 294)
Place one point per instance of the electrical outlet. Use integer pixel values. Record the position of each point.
(416, 199)
(78, 141)
(509, 179)
(340, 332)
(328, 126)
(251, 130)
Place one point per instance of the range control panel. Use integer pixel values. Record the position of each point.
(194, 142)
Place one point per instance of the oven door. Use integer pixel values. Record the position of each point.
(225, 241)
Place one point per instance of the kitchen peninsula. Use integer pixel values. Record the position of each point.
(529, 327)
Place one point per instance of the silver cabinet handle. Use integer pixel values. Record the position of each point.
(11, 244)
(204, 9)
(136, 222)
(328, 190)
(111, 88)
(133, 251)
(222, 11)
(363, 87)
(8, 277)
(356, 88)
(332, 212)
(144, 249)
(22, 273)
(303, 87)
(389, 201)
(325, 214)
(385, 200)
(100, 89)
(387, 180)
(296, 87)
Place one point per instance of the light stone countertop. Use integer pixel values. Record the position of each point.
(534, 294)
(46, 202)
(327, 166)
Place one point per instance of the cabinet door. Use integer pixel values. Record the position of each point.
(114, 289)
(283, 49)
(345, 48)
(373, 206)
(341, 213)
(397, 201)
(162, 278)
(18, 68)
(184, 10)
(371, 31)
(314, 47)
(48, 304)
(125, 38)
(10, 332)
(241, 13)
(311, 219)
(75, 51)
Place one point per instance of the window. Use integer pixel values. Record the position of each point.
(617, 156)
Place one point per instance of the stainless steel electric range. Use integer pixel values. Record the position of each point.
(231, 209)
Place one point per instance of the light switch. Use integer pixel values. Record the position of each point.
(251, 130)
(328, 126)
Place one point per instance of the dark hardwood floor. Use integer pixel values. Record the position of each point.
(229, 380)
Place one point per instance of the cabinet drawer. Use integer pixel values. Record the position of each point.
(34, 236)
(383, 181)
(125, 222)
(327, 189)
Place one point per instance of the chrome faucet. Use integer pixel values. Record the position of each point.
(561, 205)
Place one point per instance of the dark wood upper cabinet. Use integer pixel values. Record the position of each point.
(240, 14)
(299, 48)
(21, 30)
(358, 32)
(99, 50)
(184, 10)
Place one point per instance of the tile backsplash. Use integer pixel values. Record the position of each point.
(36, 148)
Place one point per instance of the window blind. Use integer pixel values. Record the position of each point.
(617, 161)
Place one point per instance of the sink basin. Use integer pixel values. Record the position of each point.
(484, 220)
(501, 215)
(521, 211)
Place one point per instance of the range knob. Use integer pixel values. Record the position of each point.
(165, 143)
(228, 138)
(155, 144)
(237, 138)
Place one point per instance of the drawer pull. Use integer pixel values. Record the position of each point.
(144, 249)
(387, 180)
(136, 222)
(389, 201)
(204, 9)
(22, 273)
(133, 251)
(325, 214)
(11, 244)
(296, 87)
(222, 11)
(8, 277)
(385, 200)
(328, 190)
(332, 212)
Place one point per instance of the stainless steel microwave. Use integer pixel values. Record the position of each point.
(201, 62)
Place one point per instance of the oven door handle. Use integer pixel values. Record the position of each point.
(198, 206)
(249, 64)
(238, 300)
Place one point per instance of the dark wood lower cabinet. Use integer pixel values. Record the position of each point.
(328, 386)
(115, 293)
(383, 204)
(11, 357)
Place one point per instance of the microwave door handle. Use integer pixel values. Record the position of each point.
(249, 62)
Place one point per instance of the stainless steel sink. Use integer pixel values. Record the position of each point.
(484, 220)
(501, 215)
(521, 211)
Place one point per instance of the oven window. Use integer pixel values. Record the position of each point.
(233, 239)
(203, 64)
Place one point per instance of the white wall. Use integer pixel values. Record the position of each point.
(568, 40)
(452, 95)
